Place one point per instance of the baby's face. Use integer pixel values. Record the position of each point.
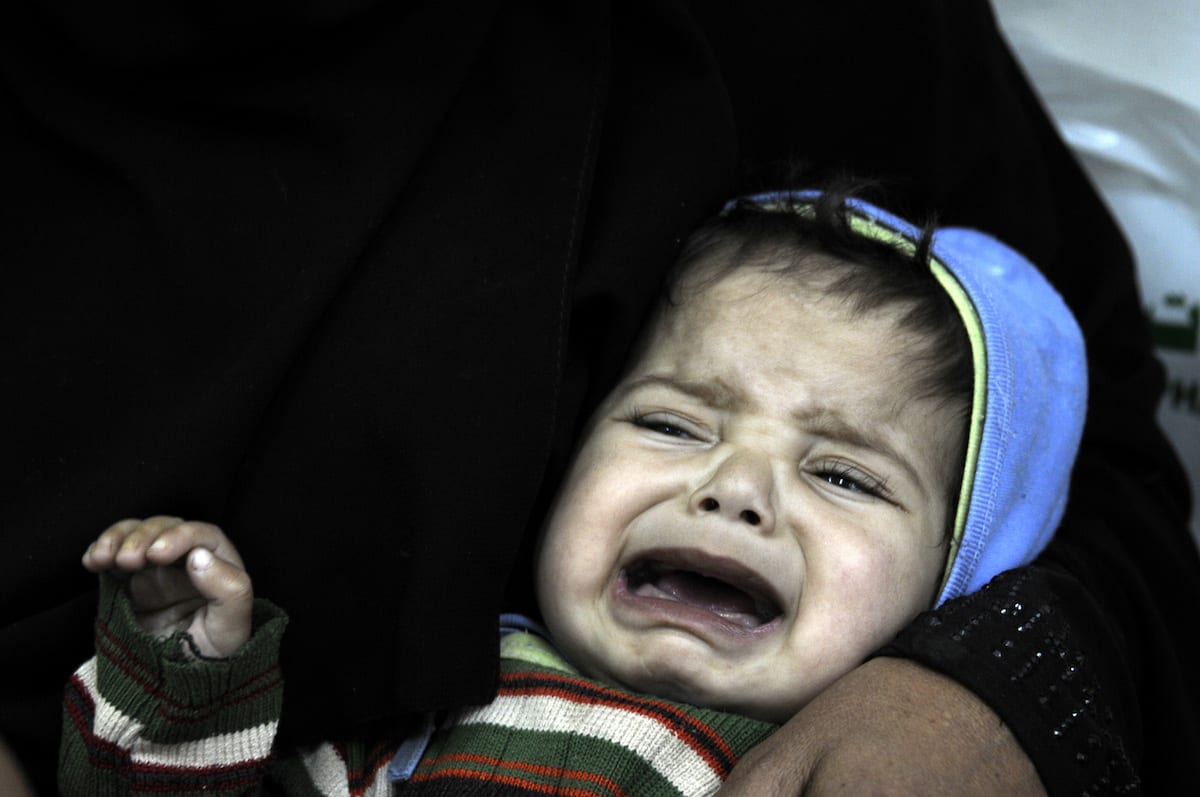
(758, 505)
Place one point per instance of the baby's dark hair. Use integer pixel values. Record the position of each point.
(812, 239)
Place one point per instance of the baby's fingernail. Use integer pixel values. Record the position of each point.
(158, 545)
(201, 559)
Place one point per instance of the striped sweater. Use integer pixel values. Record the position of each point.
(143, 717)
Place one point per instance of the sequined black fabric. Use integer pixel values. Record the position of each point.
(1009, 645)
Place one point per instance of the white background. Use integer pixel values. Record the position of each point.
(1122, 80)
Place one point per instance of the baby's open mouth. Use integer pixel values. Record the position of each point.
(729, 595)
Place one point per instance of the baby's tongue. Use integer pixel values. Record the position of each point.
(705, 593)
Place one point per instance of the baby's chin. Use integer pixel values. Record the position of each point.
(682, 674)
(681, 692)
(665, 680)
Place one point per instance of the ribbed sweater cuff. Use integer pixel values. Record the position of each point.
(178, 697)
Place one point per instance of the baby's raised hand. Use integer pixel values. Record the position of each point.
(183, 575)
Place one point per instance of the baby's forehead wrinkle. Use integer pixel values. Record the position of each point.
(714, 391)
(819, 419)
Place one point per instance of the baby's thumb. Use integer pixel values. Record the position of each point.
(226, 587)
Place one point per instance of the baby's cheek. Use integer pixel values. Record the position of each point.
(873, 588)
(854, 567)
(570, 587)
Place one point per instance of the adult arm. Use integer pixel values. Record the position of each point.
(845, 742)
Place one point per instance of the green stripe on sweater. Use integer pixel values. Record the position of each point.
(176, 697)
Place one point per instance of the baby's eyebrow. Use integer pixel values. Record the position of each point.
(827, 422)
(713, 392)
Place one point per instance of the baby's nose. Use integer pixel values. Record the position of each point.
(710, 504)
(740, 490)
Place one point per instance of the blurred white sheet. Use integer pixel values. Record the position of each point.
(1122, 80)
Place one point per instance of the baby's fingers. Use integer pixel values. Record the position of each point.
(131, 545)
(224, 623)
(123, 544)
(176, 540)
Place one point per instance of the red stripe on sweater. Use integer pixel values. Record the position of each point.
(610, 786)
(698, 736)
(77, 686)
(113, 650)
(104, 755)
(209, 779)
(509, 780)
(360, 779)
(80, 706)
(151, 672)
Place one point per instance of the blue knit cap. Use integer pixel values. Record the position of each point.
(1030, 393)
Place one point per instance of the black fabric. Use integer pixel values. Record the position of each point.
(344, 278)
(1013, 644)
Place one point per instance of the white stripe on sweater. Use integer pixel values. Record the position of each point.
(222, 750)
(328, 771)
(330, 776)
(671, 757)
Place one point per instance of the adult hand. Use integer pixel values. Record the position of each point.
(889, 727)
(12, 777)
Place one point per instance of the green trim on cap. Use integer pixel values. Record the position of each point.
(871, 228)
(970, 317)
